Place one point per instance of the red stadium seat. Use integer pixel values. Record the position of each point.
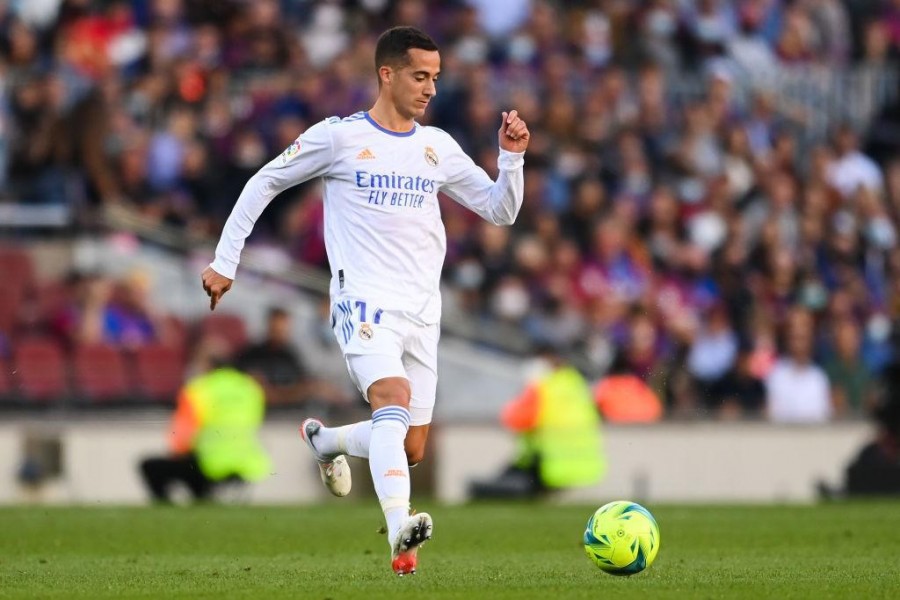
(6, 386)
(10, 305)
(39, 368)
(99, 374)
(159, 372)
(17, 269)
(175, 333)
(229, 327)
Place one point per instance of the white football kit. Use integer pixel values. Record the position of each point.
(384, 236)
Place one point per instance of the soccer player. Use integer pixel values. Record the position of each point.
(386, 243)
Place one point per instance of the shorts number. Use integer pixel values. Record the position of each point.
(345, 311)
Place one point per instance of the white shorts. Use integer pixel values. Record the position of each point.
(378, 344)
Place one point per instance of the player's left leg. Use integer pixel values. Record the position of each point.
(416, 440)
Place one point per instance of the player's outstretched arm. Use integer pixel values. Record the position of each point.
(513, 134)
(495, 201)
(215, 286)
(308, 157)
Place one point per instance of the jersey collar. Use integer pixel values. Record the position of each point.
(388, 131)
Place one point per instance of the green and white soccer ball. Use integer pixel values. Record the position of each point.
(622, 538)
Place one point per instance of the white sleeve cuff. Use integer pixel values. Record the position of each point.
(510, 161)
(224, 268)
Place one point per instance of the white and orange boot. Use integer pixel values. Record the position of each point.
(334, 470)
(405, 547)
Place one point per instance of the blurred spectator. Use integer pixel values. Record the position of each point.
(558, 431)
(273, 362)
(276, 365)
(103, 310)
(797, 389)
(622, 397)
(852, 387)
(501, 17)
(852, 169)
(745, 394)
(129, 319)
(214, 435)
(712, 356)
(37, 151)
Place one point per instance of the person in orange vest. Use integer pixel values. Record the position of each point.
(623, 397)
(558, 429)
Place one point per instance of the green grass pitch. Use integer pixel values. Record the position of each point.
(479, 551)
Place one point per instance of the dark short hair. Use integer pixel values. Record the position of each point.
(394, 45)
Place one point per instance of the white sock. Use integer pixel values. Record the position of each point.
(387, 461)
(352, 440)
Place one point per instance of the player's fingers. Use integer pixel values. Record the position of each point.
(516, 127)
(517, 131)
(214, 299)
(503, 122)
(513, 115)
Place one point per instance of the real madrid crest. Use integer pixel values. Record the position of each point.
(431, 156)
(365, 331)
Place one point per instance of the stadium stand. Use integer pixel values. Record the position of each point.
(158, 373)
(18, 271)
(9, 310)
(40, 370)
(741, 157)
(228, 327)
(100, 376)
(6, 386)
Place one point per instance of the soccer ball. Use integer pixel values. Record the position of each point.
(622, 538)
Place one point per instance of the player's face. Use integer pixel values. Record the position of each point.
(413, 86)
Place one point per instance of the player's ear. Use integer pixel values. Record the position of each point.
(385, 73)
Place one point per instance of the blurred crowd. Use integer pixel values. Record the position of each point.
(95, 339)
(681, 223)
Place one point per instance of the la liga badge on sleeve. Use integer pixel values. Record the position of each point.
(291, 151)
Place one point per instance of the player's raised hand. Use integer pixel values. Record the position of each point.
(513, 132)
(215, 286)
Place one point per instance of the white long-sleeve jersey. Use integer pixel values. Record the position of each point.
(383, 231)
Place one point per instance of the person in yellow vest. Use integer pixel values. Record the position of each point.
(214, 436)
(559, 437)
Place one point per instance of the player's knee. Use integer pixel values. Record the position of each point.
(393, 391)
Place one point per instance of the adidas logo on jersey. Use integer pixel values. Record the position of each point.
(366, 154)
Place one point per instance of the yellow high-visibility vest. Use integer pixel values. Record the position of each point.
(229, 406)
(567, 437)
